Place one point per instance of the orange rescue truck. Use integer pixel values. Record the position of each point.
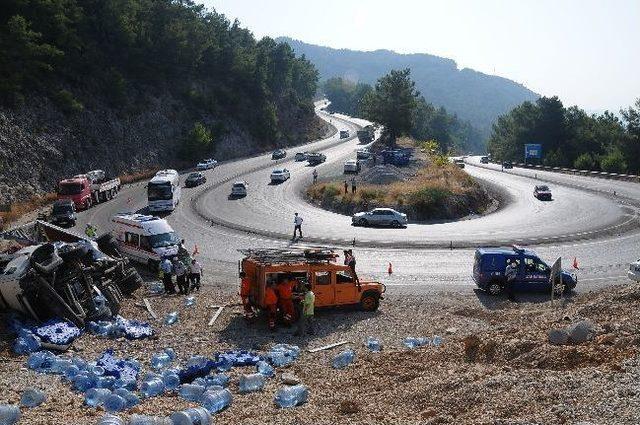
(333, 284)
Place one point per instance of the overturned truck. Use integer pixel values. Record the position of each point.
(46, 271)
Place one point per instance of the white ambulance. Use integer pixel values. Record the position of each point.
(145, 238)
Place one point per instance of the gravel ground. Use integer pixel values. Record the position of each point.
(494, 367)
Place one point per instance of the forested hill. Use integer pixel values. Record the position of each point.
(475, 97)
(125, 85)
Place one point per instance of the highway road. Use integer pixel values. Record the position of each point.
(585, 220)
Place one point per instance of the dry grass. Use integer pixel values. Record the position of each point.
(136, 177)
(18, 209)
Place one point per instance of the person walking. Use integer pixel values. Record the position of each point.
(245, 291)
(181, 276)
(297, 225)
(353, 185)
(305, 322)
(195, 272)
(315, 176)
(346, 187)
(511, 272)
(166, 268)
(271, 304)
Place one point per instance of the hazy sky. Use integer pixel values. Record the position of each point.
(585, 51)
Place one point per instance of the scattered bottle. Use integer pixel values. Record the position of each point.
(160, 360)
(193, 416)
(291, 396)
(265, 369)
(114, 403)
(105, 381)
(95, 397)
(411, 342)
(149, 420)
(171, 318)
(436, 341)
(70, 372)
(190, 301)
(32, 397)
(343, 359)
(41, 360)
(111, 420)
(191, 392)
(216, 400)
(152, 387)
(59, 365)
(131, 399)
(251, 383)
(26, 343)
(283, 354)
(219, 379)
(171, 379)
(373, 344)
(9, 414)
(84, 381)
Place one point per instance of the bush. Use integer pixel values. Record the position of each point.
(199, 142)
(65, 101)
(613, 162)
(426, 201)
(584, 162)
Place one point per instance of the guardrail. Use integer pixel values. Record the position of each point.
(572, 171)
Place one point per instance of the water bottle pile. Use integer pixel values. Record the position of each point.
(283, 354)
(120, 327)
(55, 334)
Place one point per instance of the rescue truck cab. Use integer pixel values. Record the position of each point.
(333, 284)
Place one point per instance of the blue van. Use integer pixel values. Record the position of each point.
(533, 273)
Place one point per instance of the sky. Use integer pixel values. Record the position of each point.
(587, 52)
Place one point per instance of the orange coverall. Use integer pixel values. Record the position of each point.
(245, 290)
(271, 303)
(285, 292)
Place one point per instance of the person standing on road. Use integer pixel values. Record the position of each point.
(297, 225)
(166, 268)
(195, 272)
(305, 322)
(245, 291)
(271, 304)
(181, 276)
(346, 187)
(511, 272)
(315, 176)
(353, 185)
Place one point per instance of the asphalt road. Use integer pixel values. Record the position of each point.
(584, 221)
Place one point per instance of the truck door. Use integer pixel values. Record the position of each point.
(323, 288)
(346, 290)
(536, 274)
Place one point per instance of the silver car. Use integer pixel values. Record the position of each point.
(380, 217)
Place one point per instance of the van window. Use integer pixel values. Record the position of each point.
(323, 278)
(131, 239)
(344, 277)
(493, 262)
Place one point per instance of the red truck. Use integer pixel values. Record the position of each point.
(87, 189)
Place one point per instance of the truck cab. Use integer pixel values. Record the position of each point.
(78, 190)
(333, 284)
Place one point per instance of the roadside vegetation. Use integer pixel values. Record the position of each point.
(434, 189)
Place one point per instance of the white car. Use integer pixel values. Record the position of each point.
(380, 217)
(207, 164)
(634, 271)
(363, 153)
(239, 189)
(351, 166)
(280, 175)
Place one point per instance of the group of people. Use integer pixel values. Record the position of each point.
(289, 297)
(187, 274)
(353, 186)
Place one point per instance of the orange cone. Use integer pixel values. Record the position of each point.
(575, 263)
(390, 269)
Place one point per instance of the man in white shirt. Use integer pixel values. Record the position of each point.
(195, 270)
(297, 223)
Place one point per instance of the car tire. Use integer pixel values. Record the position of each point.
(494, 288)
(363, 222)
(369, 302)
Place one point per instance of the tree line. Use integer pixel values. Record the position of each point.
(395, 103)
(74, 50)
(569, 136)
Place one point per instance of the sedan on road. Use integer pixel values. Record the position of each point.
(279, 154)
(351, 166)
(484, 160)
(239, 189)
(207, 164)
(301, 156)
(195, 179)
(542, 192)
(380, 217)
(507, 165)
(363, 153)
(280, 175)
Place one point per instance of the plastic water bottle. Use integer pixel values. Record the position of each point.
(373, 344)
(343, 359)
(26, 343)
(111, 420)
(411, 342)
(40, 360)
(84, 381)
(436, 341)
(219, 379)
(190, 301)
(100, 302)
(114, 403)
(96, 370)
(160, 360)
(105, 382)
(70, 372)
(149, 420)
(32, 397)
(95, 397)
(291, 396)
(171, 380)
(152, 387)
(193, 416)
(171, 318)
(191, 392)
(59, 365)
(170, 352)
(9, 414)
(131, 399)
(251, 383)
(265, 369)
(216, 400)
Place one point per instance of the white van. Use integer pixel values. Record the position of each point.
(163, 191)
(145, 238)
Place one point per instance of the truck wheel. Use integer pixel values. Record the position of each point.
(369, 302)
(494, 288)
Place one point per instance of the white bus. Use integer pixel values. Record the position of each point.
(164, 191)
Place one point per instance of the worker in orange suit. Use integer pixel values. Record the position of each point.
(245, 290)
(271, 304)
(285, 299)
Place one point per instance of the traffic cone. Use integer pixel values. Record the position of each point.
(575, 263)
(195, 250)
(390, 269)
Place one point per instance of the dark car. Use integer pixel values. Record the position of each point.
(484, 160)
(533, 273)
(63, 212)
(316, 158)
(195, 179)
(279, 154)
(542, 192)
(507, 165)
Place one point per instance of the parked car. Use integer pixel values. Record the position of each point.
(301, 156)
(63, 212)
(195, 179)
(352, 166)
(316, 158)
(380, 217)
(363, 153)
(279, 154)
(344, 134)
(533, 273)
(207, 164)
(459, 162)
(239, 189)
(507, 165)
(484, 160)
(634, 271)
(542, 192)
(280, 175)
